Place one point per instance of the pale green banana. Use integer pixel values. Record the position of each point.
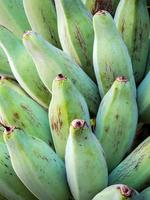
(132, 21)
(43, 19)
(16, 108)
(144, 195)
(5, 69)
(67, 104)
(110, 55)
(37, 166)
(12, 16)
(76, 33)
(116, 192)
(23, 67)
(114, 129)
(85, 162)
(10, 185)
(51, 61)
(134, 169)
(143, 99)
(96, 5)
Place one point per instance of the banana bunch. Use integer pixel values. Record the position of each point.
(74, 100)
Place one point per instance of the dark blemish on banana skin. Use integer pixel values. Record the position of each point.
(106, 129)
(57, 125)
(117, 116)
(16, 115)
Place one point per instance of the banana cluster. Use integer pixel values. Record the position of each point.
(74, 100)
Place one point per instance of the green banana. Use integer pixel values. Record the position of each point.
(110, 55)
(43, 19)
(114, 129)
(16, 108)
(51, 61)
(96, 5)
(37, 165)
(144, 195)
(4, 65)
(143, 99)
(23, 67)
(133, 170)
(116, 192)
(67, 104)
(85, 162)
(10, 185)
(12, 16)
(76, 33)
(132, 21)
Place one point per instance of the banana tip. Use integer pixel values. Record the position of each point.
(60, 77)
(125, 191)
(122, 79)
(78, 123)
(27, 34)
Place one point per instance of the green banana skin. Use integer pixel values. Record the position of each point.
(96, 5)
(67, 104)
(16, 108)
(110, 55)
(143, 99)
(12, 16)
(5, 69)
(116, 192)
(148, 61)
(132, 21)
(37, 166)
(23, 67)
(114, 130)
(133, 170)
(10, 185)
(144, 195)
(51, 61)
(85, 162)
(43, 19)
(76, 33)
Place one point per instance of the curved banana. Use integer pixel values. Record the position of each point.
(5, 69)
(43, 19)
(85, 162)
(96, 5)
(133, 170)
(67, 104)
(110, 55)
(23, 67)
(10, 185)
(12, 16)
(76, 33)
(37, 165)
(51, 61)
(114, 130)
(144, 195)
(16, 108)
(116, 192)
(143, 99)
(132, 21)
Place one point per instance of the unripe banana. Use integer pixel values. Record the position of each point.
(51, 61)
(10, 185)
(12, 16)
(133, 170)
(143, 99)
(37, 165)
(42, 18)
(23, 67)
(132, 21)
(5, 69)
(85, 162)
(144, 195)
(67, 104)
(110, 56)
(114, 129)
(16, 108)
(76, 33)
(96, 5)
(116, 192)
